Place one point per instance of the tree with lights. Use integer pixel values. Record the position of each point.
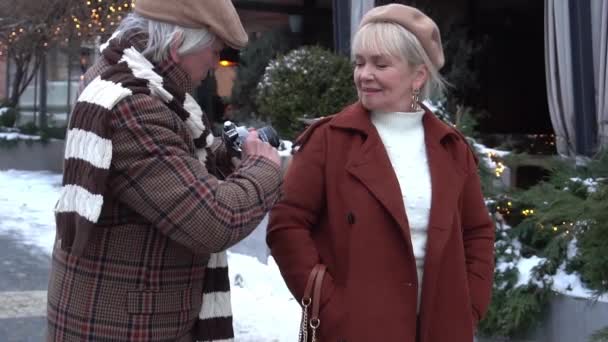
(23, 36)
(28, 28)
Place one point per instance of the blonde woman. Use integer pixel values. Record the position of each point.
(387, 198)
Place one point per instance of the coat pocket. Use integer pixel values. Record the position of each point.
(333, 316)
(154, 302)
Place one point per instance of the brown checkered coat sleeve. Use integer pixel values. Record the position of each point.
(155, 172)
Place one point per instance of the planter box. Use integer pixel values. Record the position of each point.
(567, 319)
(32, 155)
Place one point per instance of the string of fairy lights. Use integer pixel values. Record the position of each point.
(500, 166)
(506, 209)
(93, 18)
(102, 16)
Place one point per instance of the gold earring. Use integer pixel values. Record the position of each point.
(415, 99)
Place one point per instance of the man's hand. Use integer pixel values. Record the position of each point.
(253, 146)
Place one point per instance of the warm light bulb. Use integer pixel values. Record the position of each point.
(226, 63)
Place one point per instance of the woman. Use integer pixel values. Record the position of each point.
(387, 197)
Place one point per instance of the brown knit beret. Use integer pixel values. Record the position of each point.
(218, 16)
(413, 20)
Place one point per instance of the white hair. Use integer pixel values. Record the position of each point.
(394, 40)
(161, 35)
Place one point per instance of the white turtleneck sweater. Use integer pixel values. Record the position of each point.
(403, 136)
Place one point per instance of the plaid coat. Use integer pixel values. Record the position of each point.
(141, 276)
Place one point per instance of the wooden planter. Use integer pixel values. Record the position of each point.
(32, 155)
(567, 319)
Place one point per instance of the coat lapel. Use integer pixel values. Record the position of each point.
(371, 165)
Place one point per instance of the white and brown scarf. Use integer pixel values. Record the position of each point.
(81, 198)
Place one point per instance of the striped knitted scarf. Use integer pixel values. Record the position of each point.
(88, 156)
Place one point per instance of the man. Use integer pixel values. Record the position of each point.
(143, 221)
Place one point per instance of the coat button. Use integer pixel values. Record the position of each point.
(350, 218)
(409, 284)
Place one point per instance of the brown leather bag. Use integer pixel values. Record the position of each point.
(312, 300)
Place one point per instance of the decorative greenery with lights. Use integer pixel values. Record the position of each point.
(560, 226)
(557, 226)
(600, 336)
(8, 116)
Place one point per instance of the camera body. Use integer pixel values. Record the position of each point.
(234, 136)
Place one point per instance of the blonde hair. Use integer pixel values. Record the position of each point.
(390, 39)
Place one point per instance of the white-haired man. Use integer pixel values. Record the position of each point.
(143, 219)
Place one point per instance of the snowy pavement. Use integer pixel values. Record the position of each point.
(264, 310)
(22, 304)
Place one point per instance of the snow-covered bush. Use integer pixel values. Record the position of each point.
(306, 83)
(8, 116)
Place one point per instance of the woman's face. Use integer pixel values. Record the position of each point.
(385, 83)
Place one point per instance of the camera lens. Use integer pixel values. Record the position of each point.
(269, 135)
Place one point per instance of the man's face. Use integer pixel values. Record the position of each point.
(198, 63)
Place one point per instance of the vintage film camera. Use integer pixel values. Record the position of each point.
(234, 136)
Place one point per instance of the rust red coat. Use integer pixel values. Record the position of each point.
(342, 207)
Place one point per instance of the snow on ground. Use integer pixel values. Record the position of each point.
(26, 206)
(15, 136)
(263, 308)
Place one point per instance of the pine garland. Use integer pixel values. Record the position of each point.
(600, 335)
(563, 222)
(560, 223)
